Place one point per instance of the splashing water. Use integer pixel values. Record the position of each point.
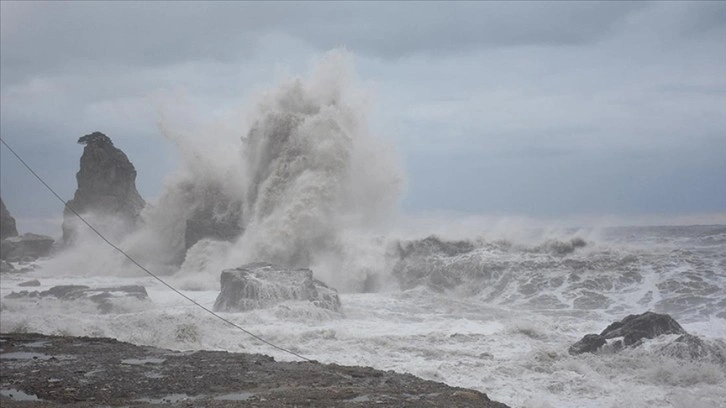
(296, 184)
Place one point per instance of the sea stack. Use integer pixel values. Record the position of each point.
(106, 189)
(7, 223)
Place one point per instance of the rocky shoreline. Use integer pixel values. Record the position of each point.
(40, 371)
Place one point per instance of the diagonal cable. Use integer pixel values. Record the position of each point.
(206, 309)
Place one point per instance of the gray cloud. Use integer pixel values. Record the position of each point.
(44, 37)
(525, 107)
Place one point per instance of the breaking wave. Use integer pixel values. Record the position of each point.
(287, 189)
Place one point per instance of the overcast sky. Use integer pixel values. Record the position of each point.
(535, 109)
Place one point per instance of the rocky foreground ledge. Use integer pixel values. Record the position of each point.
(39, 371)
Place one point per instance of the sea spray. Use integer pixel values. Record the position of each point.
(299, 183)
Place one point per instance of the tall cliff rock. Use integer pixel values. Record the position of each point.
(106, 188)
(7, 223)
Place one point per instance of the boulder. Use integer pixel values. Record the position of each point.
(32, 282)
(7, 223)
(103, 296)
(647, 325)
(262, 285)
(632, 329)
(106, 187)
(26, 247)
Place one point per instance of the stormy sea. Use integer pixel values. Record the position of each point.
(303, 182)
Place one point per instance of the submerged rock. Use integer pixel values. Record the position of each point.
(558, 247)
(632, 329)
(261, 285)
(106, 186)
(588, 344)
(103, 297)
(690, 347)
(7, 222)
(433, 262)
(26, 247)
(433, 245)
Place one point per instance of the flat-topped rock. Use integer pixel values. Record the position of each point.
(26, 247)
(103, 296)
(261, 285)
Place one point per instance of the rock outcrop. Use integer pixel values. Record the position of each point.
(432, 262)
(26, 247)
(103, 297)
(633, 329)
(262, 285)
(7, 222)
(106, 188)
(93, 372)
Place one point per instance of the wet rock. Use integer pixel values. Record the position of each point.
(647, 325)
(106, 188)
(632, 329)
(690, 347)
(261, 285)
(103, 296)
(30, 283)
(588, 344)
(7, 222)
(26, 247)
(105, 372)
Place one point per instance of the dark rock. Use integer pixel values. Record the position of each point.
(261, 285)
(26, 247)
(647, 325)
(633, 329)
(106, 187)
(65, 292)
(30, 283)
(6, 266)
(588, 344)
(103, 297)
(97, 372)
(7, 222)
